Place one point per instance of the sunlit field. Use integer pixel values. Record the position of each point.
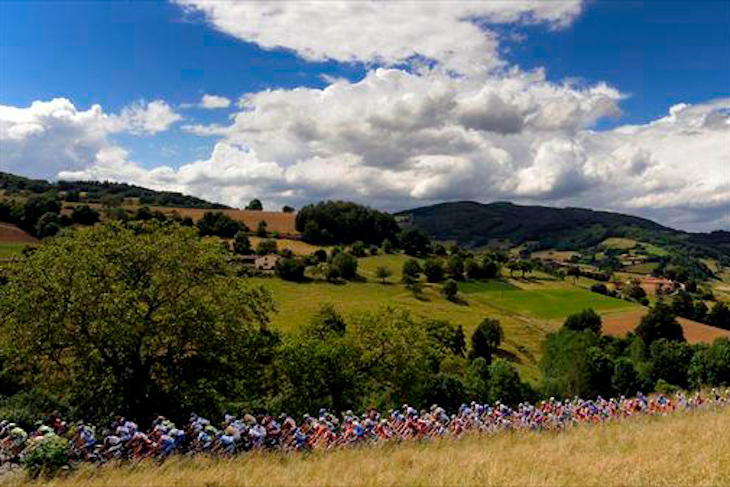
(684, 449)
(527, 309)
(11, 249)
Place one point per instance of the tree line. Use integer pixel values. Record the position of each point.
(145, 317)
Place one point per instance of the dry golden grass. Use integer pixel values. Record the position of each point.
(276, 221)
(685, 449)
(297, 247)
(621, 323)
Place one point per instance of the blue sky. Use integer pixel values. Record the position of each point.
(654, 55)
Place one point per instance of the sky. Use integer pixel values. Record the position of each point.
(615, 105)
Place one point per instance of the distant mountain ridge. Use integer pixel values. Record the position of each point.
(96, 190)
(478, 224)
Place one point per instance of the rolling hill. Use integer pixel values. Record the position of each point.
(95, 191)
(475, 224)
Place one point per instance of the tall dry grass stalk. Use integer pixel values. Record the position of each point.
(685, 449)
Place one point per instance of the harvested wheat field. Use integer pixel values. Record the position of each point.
(276, 221)
(297, 247)
(683, 449)
(12, 234)
(621, 323)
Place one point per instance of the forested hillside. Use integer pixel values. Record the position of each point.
(476, 224)
(96, 191)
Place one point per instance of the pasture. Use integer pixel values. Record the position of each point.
(630, 244)
(681, 449)
(618, 243)
(645, 268)
(527, 308)
(549, 300)
(297, 303)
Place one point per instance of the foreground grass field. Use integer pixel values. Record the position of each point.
(684, 449)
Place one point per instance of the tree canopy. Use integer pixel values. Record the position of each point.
(340, 222)
(128, 320)
(660, 322)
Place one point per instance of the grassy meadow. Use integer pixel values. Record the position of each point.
(683, 449)
(528, 309)
(11, 249)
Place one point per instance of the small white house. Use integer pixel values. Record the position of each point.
(266, 262)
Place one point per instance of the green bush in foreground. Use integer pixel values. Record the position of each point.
(46, 457)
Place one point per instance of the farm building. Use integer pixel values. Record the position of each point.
(653, 284)
(260, 262)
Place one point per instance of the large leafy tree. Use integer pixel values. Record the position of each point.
(486, 339)
(660, 322)
(134, 320)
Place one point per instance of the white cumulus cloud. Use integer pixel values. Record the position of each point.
(382, 32)
(212, 102)
(463, 126)
(50, 136)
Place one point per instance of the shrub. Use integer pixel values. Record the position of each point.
(346, 265)
(411, 271)
(505, 384)
(659, 323)
(450, 290)
(710, 365)
(46, 457)
(446, 390)
(241, 243)
(486, 339)
(84, 215)
(587, 319)
(719, 316)
(290, 269)
(664, 387)
(261, 229)
(434, 270)
(382, 273)
(415, 242)
(255, 205)
(214, 223)
(266, 247)
(455, 267)
(625, 379)
(670, 361)
(358, 249)
(600, 289)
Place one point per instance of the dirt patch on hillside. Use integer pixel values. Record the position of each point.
(12, 234)
(620, 324)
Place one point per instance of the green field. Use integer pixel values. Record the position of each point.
(628, 244)
(654, 250)
(11, 249)
(549, 301)
(618, 243)
(527, 309)
(645, 268)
